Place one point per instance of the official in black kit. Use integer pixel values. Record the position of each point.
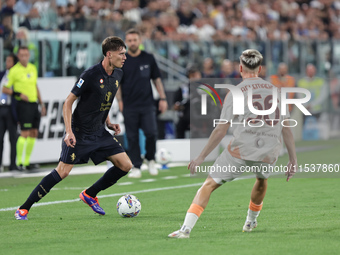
(85, 135)
(137, 103)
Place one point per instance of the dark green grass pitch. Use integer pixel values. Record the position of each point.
(298, 217)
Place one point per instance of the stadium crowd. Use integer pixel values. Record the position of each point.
(179, 19)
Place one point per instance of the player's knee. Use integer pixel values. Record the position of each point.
(126, 167)
(211, 184)
(63, 174)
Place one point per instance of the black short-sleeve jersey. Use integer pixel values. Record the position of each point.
(95, 90)
(136, 86)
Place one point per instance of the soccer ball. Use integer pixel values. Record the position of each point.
(128, 206)
(163, 156)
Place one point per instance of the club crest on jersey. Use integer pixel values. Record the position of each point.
(80, 82)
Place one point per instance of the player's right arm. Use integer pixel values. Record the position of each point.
(215, 138)
(288, 139)
(69, 139)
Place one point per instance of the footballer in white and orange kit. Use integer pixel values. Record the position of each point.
(255, 145)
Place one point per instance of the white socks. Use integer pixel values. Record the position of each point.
(252, 215)
(189, 222)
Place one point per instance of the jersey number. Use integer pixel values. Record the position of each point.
(267, 103)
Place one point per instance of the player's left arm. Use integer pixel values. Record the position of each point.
(43, 108)
(114, 127)
(163, 104)
(288, 139)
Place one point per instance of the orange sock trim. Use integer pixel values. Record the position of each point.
(196, 209)
(255, 207)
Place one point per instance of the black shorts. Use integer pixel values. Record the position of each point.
(98, 146)
(28, 115)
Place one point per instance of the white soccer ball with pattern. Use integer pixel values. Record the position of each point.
(163, 156)
(128, 206)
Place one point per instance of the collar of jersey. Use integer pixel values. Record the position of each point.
(103, 70)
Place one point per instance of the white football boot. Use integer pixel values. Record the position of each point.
(135, 173)
(249, 226)
(180, 234)
(152, 168)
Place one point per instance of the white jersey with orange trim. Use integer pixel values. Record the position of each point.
(256, 137)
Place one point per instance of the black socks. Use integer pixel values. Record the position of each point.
(110, 177)
(42, 189)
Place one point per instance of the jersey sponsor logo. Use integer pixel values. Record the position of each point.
(80, 82)
(106, 106)
(117, 84)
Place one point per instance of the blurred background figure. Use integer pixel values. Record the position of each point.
(208, 68)
(8, 121)
(317, 87)
(282, 79)
(182, 103)
(227, 70)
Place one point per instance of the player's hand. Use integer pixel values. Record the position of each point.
(43, 110)
(162, 106)
(291, 169)
(23, 97)
(195, 163)
(114, 127)
(70, 140)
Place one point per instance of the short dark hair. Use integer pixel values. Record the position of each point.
(133, 31)
(113, 43)
(14, 57)
(23, 48)
(251, 59)
(191, 69)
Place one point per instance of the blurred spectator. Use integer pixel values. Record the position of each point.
(185, 14)
(131, 11)
(152, 9)
(47, 19)
(8, 121)
(217, 15)
(182, 102)
(227, 70)
(61, 19)
(69, 17)
(23, 39)
(8, 9)
(79, 16)
(282, 79)
(26, 12)
(208, 68)
(201, 29)
(6, 32)
(318, 89)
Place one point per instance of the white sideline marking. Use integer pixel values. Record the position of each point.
(169, 177)
(148, 180)
(104, 196)
(70, 188)
(124, 183)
